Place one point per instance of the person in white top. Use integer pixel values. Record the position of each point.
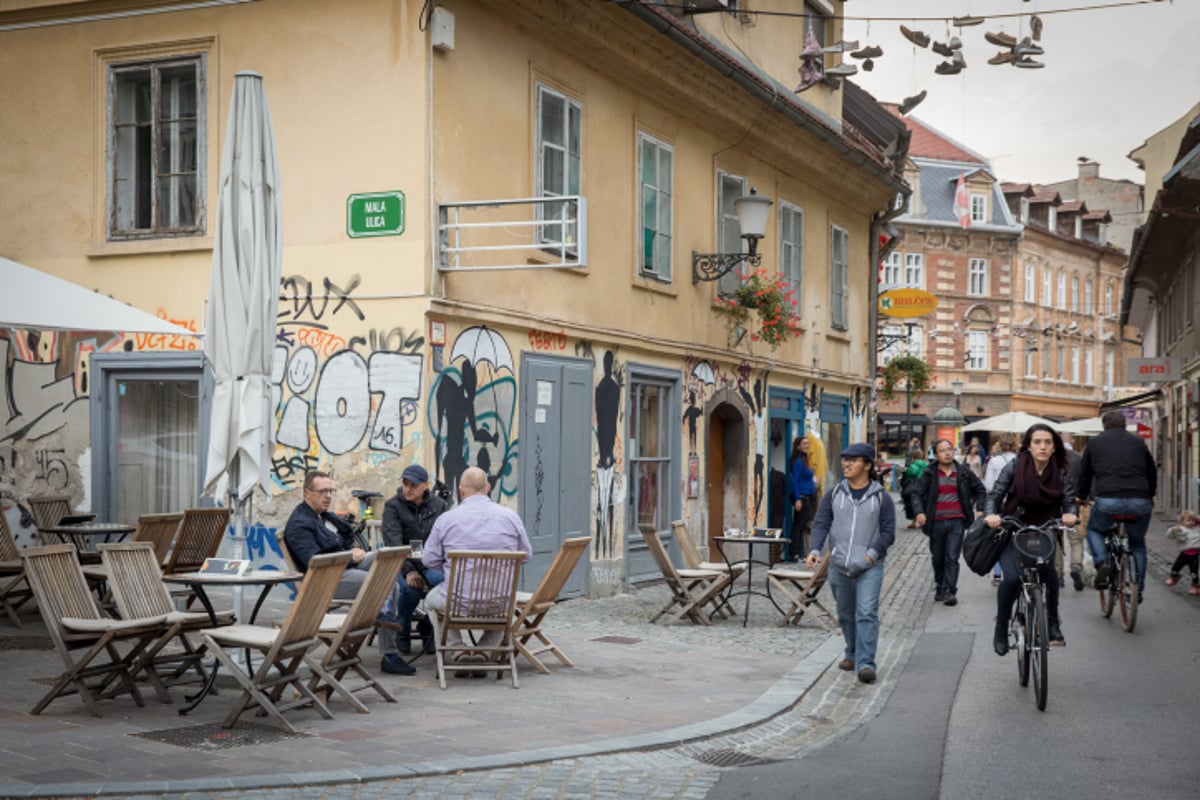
(996, 465)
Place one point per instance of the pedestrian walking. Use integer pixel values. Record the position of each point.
(858, 518)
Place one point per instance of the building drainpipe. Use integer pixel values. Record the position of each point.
(879, 224)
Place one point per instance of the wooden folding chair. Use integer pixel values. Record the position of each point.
(800, 587)
(481, 595)
(284, 649)
(135, 581)
(50, 509)
(691, 557)
(691, 589)
(346, 634)
(74, 623)
(290, 563)
(199, 537)
(533, 608)
(14, 589)
(157, 529)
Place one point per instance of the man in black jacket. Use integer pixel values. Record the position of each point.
(407, 516)
(312, 530)
(1118, 469)
(947, 498)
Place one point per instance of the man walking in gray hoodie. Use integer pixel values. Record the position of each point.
(859, 519)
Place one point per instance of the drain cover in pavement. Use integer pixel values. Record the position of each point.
(728, 757)
(617, 639)
(212, 736)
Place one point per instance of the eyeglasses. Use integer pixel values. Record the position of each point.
(321, 491)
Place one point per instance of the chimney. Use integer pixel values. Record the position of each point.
(1089, 170)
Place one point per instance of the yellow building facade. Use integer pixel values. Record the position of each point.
(557, 165)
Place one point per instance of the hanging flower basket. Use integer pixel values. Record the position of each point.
(773, 300)
(909, 368)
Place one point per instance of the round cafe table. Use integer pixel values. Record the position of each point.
(751, 543)
(85, 536)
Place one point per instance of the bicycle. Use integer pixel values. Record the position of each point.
(1122, 574)
(1029, 629)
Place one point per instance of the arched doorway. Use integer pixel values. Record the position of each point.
(728, 446)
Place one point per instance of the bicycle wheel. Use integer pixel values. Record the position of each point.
(1020, 631)
(1039, 648)
(1129, 591)
(1108, 597)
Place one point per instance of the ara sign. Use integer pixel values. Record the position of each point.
(1153, 370)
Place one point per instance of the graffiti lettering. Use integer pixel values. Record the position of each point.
(393, 341)
(298, 291)
(322, 341)
(547, 340)
(289, 469)
(52, 468)
(39, 400)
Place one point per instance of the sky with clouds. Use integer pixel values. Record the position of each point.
(1113, 77)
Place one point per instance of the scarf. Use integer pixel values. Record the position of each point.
(1036, 497)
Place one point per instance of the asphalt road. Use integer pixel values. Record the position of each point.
(1123, 717)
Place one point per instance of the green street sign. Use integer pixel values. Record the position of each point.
(375, 214)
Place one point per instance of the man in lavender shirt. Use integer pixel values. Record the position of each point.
(476, 523)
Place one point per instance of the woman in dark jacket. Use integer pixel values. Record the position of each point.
(1038, 485)
(804, 490)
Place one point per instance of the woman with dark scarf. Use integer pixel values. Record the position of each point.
(1036, 486)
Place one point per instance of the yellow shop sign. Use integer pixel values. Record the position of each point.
(907, 303)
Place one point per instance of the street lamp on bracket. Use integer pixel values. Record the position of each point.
(752, 221)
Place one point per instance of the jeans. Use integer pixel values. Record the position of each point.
(858, 612)
(945, 547)
(406, 604)
(1101, 521)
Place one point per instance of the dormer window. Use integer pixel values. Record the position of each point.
(978, 208)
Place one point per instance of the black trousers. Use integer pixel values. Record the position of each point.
(800, 521)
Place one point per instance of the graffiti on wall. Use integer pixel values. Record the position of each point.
(471, 410)
(608, 412)
(334, 394)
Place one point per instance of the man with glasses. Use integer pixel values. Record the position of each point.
(312, 530)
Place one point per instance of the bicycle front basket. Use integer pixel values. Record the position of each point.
(1033, 547)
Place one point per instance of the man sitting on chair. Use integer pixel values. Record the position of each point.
(477, 523)
(312, 530)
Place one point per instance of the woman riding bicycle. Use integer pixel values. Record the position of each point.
(1035, 486)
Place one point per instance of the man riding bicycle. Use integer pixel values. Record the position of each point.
(1119, 470)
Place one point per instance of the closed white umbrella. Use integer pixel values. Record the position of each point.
(243, 304)
(1008, 422)
(39, 301)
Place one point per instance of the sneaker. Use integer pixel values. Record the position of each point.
(871, 51)
(1001, 39)
(917, 37)
(1102, 573)
(1174, 579)
(908, 105)
(942, 50)
(846, 664)
(1028, 48)
(1195, 589)
(1003, 57)
(841, 47)
(393, 664)
(939, 597)
(1000, 637)
(866, 675)
(1077, 578)
(1025, 62)
(1056, 635)
(951, 600)
(948, 68)
(842, 70)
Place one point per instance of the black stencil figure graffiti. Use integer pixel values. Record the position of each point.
(690, 415)
(484, 462)
(455, 416)
(608, 402)
(759, 407)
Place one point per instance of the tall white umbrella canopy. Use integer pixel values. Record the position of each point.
(1008, 422)
(39, 301)
(1082, 427)
(243, 303)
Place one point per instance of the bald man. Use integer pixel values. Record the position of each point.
(476, 523)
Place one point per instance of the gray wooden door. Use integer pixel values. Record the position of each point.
(556, 446)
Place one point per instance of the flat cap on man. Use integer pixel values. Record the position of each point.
(859, 450)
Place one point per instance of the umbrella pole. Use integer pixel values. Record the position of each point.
(239, 552)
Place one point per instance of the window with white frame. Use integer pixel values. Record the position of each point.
(839, 276)
(977, 277)
(1046, 361)
(1062, 289)
(1075, 365)
(1109, 369)
(1088, 297)
(1062, 361)
(1030, 283)
(1030, 355)
(729, 230)
(914, 270)
(978, 208)
(156, 148)
(977, 350)
(1075, 293)
(893, 272)
(559, 162)
(791, 248)
(900, 342)
(1108, 299)
(1047, 290)
(656, 177)
(1089, 375)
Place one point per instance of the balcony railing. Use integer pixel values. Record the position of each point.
(523, 233)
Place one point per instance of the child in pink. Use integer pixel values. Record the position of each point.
(1187, 533)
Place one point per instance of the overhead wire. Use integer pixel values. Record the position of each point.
(691, 9)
